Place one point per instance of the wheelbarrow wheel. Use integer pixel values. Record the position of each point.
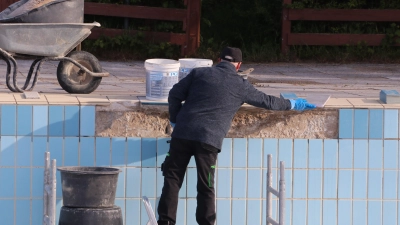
(74, 80)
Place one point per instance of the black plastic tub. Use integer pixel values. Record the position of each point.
(89, 187)
(90, 216)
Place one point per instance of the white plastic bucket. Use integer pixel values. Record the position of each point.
(188, 64)
(161, 75)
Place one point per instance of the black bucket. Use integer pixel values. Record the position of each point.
(89, 187)
(90, 216)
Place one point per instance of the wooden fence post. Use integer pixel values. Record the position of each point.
(193, 26)
(286, 26)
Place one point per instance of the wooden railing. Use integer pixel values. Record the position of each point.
(189, 39)
(371, 15)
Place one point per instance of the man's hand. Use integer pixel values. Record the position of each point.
(301, 104)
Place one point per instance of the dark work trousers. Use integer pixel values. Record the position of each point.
(174, 168)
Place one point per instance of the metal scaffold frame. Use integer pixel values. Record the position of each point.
(280, 194)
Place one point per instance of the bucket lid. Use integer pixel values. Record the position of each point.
(193, 62)
(88, 170)
(162, 63)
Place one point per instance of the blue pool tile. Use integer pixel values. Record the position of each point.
(191, 180)
(239, 152)
(344, 212)
(346, 123)
(24, 120)
(22, 212)
(121, 184)
(254, 179)
(345, 181)
(7, 187)
(103, 152)
(253, 212)
(288, 206)
(132, 205)
(286, 152)
(40, 119)
(7, 154)
(134, 148)
(118, 152)
(390, 154)
(149, 152)
(23, 182)
(361, 123)
(162, 150)
(254, 153)
(389, 186)
(86, 153)
(375, 184)
(56, 149)
(121, 203)
(37, 211)
(300, 153)
(56, 120)
(274, 207)
(375, 123)
(7, 211)
(8, 123)
(376, 217)
(149, 182)
(315, 153)
(360, 184)
(58, 185)
(299, 212)
(37, 182)
(270, 148)
(360, 154)
(391, 123)
(330, 184)
(330, 153)
(71, 147)
(359, 212)
(329, 213)
(133, 176)
(192, 163)
(87, 120)
(224, 211)
(191, 211)
(314, 214)
(223, 183)
(314, 184)
(238, 184)
(389, 213)
(345, 153)
(225, 156)
(300, 184)
(39, 148)
(375, 154)
(24, 151)
(71, 121)
(238, 212)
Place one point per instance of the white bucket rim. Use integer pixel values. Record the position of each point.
(194, 62)
(161, 62)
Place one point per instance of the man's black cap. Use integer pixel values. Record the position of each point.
(231, 54)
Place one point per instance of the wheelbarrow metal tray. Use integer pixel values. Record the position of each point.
(43, 39)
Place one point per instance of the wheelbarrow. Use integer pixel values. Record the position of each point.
(77, 72)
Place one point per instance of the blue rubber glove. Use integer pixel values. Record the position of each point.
(172, 124)
(301, 104)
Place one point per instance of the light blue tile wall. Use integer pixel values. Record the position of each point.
(331, 181)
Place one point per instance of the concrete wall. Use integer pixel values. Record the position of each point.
(350, 179)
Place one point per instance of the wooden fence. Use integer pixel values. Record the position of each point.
(371, 15)
(189, 39)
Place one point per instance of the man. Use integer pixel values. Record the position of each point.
(212, 96)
